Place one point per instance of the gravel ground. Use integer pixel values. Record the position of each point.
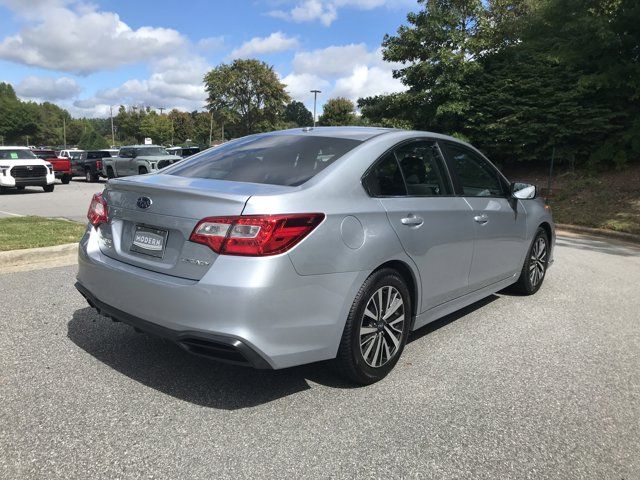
(541, 387)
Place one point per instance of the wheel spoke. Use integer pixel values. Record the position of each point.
(386, 348)
(393, 308)
(395, 341)
(367, 330)
(377, 350)
(366, 353)
(370, 314)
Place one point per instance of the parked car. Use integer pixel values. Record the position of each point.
(137, 160)
(20, 168)
(75, 156)
(61, 165)
(183, 152)
(90, 165)
(291, 247)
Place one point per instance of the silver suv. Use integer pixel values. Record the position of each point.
(296, 246)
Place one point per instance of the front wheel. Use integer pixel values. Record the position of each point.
(48, 188)
(535, 265)
(377, 328)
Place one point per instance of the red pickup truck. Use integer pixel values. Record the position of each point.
(61, 166)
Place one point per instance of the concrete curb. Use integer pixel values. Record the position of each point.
(44, 257)
(599, 232)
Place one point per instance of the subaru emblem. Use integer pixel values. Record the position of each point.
(144, 202)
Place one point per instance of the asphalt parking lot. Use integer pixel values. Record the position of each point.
(541, 387)
(66, 201)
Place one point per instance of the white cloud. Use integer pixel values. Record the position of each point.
(349, 71)
(326, 12)
(211, 44)
(83, 40)
(47, 89)
(276, 42)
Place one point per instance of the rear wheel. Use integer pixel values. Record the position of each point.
(110, 173)
(90, 177)
(377, 328)
(48, 188)
(66, 179)
(535, 265)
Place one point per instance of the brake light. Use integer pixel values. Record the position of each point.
(98, 211)
(255, 236)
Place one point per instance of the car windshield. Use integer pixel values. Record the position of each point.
(287, 160)
(150, 151)
(17, 154)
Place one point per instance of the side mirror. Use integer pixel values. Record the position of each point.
(523, 191)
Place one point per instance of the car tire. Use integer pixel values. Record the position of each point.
(535, 265)
(90, 177)
(48, 188)
(142, 171)
(372, 344)
(66, 179)
(110, 173)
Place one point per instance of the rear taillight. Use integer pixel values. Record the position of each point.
(255, 235)
(99, 164)
(97, 213)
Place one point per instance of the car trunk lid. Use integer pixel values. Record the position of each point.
(151, 218)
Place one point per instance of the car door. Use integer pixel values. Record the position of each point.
(432, 224)
(500, 221)
(123, 162)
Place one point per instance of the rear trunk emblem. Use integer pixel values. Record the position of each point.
(144, 202)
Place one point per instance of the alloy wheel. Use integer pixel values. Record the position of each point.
(382, 326)
(538, 261)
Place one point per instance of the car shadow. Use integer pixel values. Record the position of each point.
(164, 366)
(452, 317)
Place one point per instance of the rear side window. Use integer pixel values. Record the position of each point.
(415, 169)
(272, 159)
(476, 176)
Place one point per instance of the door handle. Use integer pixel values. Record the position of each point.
(412, 221)
(481, 219)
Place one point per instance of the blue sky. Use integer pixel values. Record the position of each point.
(89, 56)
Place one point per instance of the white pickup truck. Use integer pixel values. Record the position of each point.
(19, 168)
(137, 160)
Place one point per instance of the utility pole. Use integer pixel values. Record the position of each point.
(161, 109)
(210, 128)
(315, 96)
(27, 140)
(113, 135)
(64, 132)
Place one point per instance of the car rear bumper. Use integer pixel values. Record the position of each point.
(258, 310)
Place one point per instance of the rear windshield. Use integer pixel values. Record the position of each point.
(44, 154)
(273, 159)
(17, 154)
(98, 154)
(150, 151)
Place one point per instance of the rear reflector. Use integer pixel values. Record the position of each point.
(97, 213)
(255, 236)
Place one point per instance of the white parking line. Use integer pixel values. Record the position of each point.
(12, 214)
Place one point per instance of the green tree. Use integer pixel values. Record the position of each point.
(157, 127)
(92, 140)
(182, 126)
(298, 114)
(338, 111)
(247, 94)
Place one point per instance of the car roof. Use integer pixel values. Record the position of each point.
(361, 133)
(140, 146)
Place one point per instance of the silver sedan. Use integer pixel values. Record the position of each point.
(296, 246)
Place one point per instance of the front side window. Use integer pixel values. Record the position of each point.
(477, 178)
(415, 169)
(287, 160)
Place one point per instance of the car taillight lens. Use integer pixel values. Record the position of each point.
(97, 213)
(255, 236)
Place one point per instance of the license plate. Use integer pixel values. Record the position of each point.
(149, 241)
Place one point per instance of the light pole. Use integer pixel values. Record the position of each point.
(315, 96)
(113, 135)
